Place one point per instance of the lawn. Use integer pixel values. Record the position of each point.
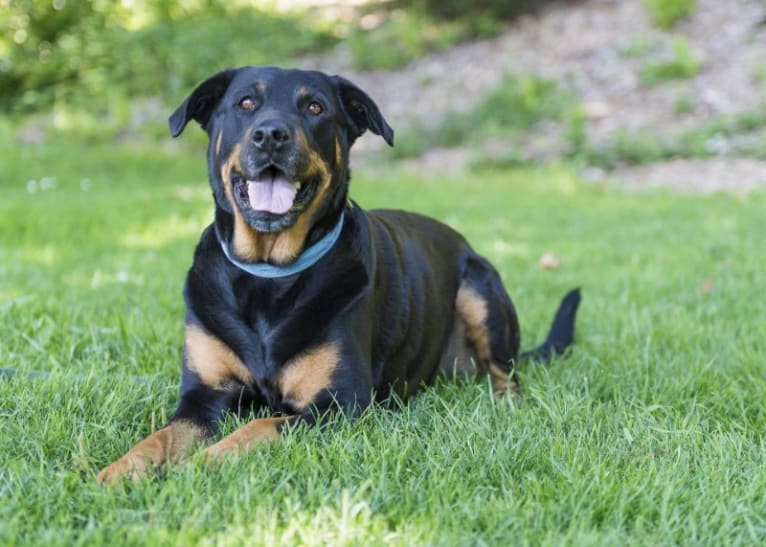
(650, 432)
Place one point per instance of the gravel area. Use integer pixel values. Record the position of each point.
(596, 48)
(705, 175)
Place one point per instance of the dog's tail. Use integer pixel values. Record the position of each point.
(561, 335)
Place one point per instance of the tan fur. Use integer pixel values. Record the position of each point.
(472, 310)
(218, 143)
(242, 240)
(243, 439)
(282, 247)
(303, 377)
(339, 156)
(168, 445)
(213, 361)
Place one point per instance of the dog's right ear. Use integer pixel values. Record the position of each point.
(199, 105)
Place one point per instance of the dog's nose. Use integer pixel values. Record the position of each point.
(272, 134)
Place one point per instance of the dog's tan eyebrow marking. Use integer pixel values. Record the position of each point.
(303, 92)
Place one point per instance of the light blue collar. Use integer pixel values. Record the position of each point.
(305, 260)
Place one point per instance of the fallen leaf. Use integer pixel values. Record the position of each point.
(549, 261)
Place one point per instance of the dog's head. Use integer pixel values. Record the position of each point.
(279, 142)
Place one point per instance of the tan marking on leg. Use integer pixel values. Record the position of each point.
(168, 445)
(305, 376)
(213, 361)
(242, 440)
(472, 309)
(501, 382)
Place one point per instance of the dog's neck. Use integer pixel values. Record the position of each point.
(307, 258)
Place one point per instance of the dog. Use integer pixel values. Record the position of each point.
(301, 302)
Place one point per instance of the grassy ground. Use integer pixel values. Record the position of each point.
(650, 432)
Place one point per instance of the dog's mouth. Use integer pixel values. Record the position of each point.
(271, 192)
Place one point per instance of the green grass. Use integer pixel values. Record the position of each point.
(666, 13)
(681, 64)
(650, 432)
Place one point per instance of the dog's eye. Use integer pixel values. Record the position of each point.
(247, 103)
(314, 108)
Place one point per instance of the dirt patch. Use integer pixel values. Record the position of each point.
(597, 49)
(706, 175)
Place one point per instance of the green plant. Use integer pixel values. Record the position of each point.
(639, 46)
(518, 103)
(457, 9)
(400, 38)
(84, 53)
(640, 147)
(576, 131)
(680, 65)
(683, 104)
(404, 36)
(631, 148)
(666, 13)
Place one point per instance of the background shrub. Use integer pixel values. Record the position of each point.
(666, 13)
(82, 52)
(453, 9)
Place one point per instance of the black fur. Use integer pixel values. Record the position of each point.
(384, 294)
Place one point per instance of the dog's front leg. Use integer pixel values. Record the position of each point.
(317, 382)
(168, 445)
(260, 430)
(212, 382)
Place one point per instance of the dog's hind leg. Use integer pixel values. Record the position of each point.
(490, 323)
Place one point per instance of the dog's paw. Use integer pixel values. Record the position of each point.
(127, 467)
(216, 453)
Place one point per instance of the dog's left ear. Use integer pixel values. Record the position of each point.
(199, 105)
(362, 112)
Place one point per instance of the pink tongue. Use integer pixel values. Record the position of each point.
(272, 194)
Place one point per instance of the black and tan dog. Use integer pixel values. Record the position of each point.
(301, 302)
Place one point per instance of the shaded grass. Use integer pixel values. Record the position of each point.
(651, 431)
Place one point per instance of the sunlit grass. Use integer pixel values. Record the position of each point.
(650, 432)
